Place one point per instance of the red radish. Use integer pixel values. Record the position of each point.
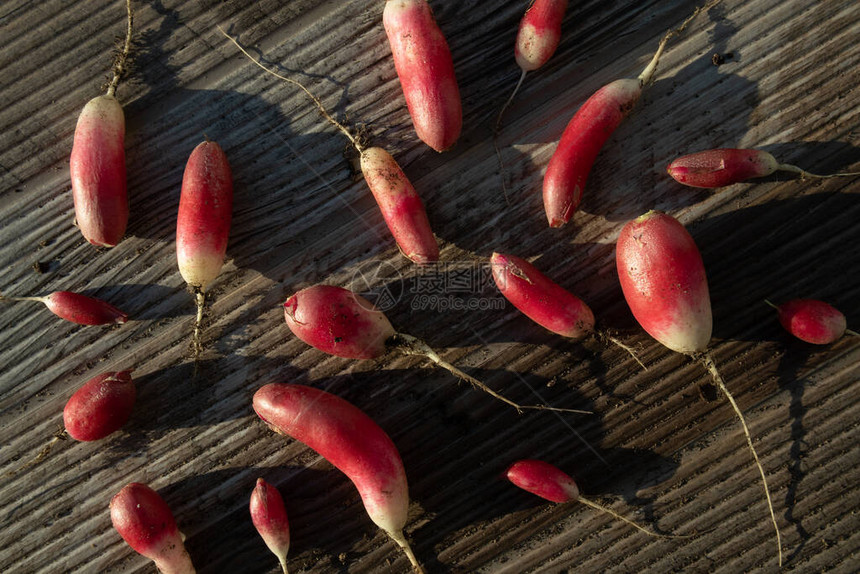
(551, 483)
(342, 323)
(812, 321)
(100, 407)
(588, 130)
(203, 224)
(97, 163)
(398, 201)
(663, 280)
(270, 519)
(426, 71)
(77, 308)
(350, 440)
(721, 167)
(145, 522)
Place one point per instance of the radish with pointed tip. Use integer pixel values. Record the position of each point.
(398, 201)
(270, 519)
(551, 483)
(342, 323)
(663, 279)
(97, 162)
(351, 441)
(203, 223)
(77, 308)
(146, 523)
(812, 321)
(720, 167)
(583, 138)
(424, 66)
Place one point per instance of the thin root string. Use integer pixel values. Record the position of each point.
(496, 129)
(46, 450)
(200, 297)
(401, 541)
(12, 299)
(119, 67)
(410, 345)
(804, 174)
(606, 338)
(614, 514)
(298, 84)
(708, 363)
(283, 562)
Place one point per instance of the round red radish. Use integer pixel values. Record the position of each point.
(338, 322)
(424, 66)
(97, 167)
(539, 33)
(721, 167)
(270, 519)
(812, 321)
(544, 480)
(663, 279)
(541, 299)
(145, 522)
(100, 407)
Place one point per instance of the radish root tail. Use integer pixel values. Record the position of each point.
(606, 338)
(200, 297)
(708, 363)
(401, 541)
(410, 345)
(805, 174)
(120, 66)
(614, 514)
(46, 450)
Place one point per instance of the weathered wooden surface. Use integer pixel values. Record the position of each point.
(655, 449)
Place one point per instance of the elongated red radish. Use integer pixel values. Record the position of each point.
(350, 440)
(270, 519)
(812, 321)
(400, 204)
(97, 162)
(146, 523)
(203, 223)
(664, 283)
(425, 68)
(720, 167)
(77, 308)
(546, 302)
(342, 323)
(585, 134)
(551, 483)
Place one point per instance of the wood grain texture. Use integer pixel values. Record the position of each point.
(654, 450)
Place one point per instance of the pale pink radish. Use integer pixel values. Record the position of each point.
(583, 138)
(146, 523)
(351, 441)
(270, 519)
(97, 162)
(77, 308)
(203, 223)
(342, 323)
(551, 483)
(400, 204)
(720, 167)
(663, 279)
(812, 321)
(425, 68)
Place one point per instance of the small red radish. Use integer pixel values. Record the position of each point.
(663, 280)
(146, 523)
(270, 519)
(97, 163)
(812, 321)
(398, 201)
(351, 441)
(551, 483)
(546, 302)
(588, 130)
(203, 223)
(77, 308)
(424, 66)
(342, 323)
(100, 407)
(720, 167)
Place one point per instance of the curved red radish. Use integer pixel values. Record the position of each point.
(342, 323)
(424, 66)
(146, 523)
(203, 223)
(270, 519)
(812, 321)
(100, 407)
(350, 440)
(97, 162)
(720, 167)
(77, 308)
(664, 283)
